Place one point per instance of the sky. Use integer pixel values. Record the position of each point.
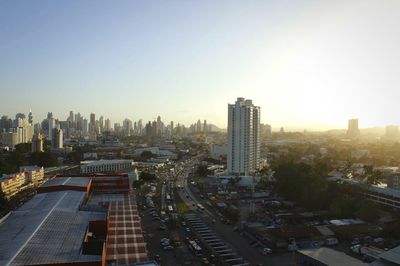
(307, 64)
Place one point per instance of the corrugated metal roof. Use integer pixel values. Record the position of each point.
(47, 229)
(67, 181)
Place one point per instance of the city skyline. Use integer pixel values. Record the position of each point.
(309, 64)
(106, 119)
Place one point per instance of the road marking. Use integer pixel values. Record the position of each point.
(37, 229)
(65, 182)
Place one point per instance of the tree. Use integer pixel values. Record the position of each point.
(23, 147)
(374, 178)
(202, 170)
(146, 155)
(45, 159)
(147, 177)
(4, 203)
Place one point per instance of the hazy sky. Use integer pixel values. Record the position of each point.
(308, 64)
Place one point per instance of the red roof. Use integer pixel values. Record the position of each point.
(125, 241)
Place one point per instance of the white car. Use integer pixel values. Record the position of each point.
(165, 243)
(267, 251)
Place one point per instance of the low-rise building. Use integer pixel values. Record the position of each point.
(27, 177)
(325, 257)
(33, 174)
(12, 184)
(157, 151)
(105, 166)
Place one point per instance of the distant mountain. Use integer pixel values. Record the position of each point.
(214, 128)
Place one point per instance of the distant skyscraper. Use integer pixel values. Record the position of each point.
(92, 124)
(140, 127)
(353, 131)
(9, 139)
(5, 123)
(51, 126)
(243, 137)
(57, 140)
(24, 131)
(85, 127)
(19, 116)
(198, 126)
(107, 124)
(30, 117)
(127, 125)
(205, 126)
(71, 117)
(101, 124)
(37, 143)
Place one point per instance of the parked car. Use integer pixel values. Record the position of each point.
(266, 251)
(168, 248)
(162, 227)
(166, 243)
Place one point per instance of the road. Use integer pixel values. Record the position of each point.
(241, 244)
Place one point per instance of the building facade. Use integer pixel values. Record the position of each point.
(243, 137)
(34, 175)
(10, 139)
(37, 143)
(28, 176)
(57, 140)
(106, 166)
(12, 184)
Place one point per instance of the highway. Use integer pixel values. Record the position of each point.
(252, 255)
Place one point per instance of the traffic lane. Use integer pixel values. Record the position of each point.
(153, 237)
(253, 255)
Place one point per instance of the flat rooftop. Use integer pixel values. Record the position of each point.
(48, 229)
(331, 257)
(67, 181)
(392, 255)
(101, 162)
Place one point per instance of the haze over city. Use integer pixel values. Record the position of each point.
(219, 133)
(307, 64)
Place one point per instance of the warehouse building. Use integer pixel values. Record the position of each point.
(70, 222)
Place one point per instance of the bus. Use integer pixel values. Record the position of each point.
(200, 207)
(195, 248)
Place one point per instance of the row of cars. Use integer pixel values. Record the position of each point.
(153, 212)
(166, 244)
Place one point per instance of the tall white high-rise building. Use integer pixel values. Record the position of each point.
(52, 126)
(243, 137)
(353, 131)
